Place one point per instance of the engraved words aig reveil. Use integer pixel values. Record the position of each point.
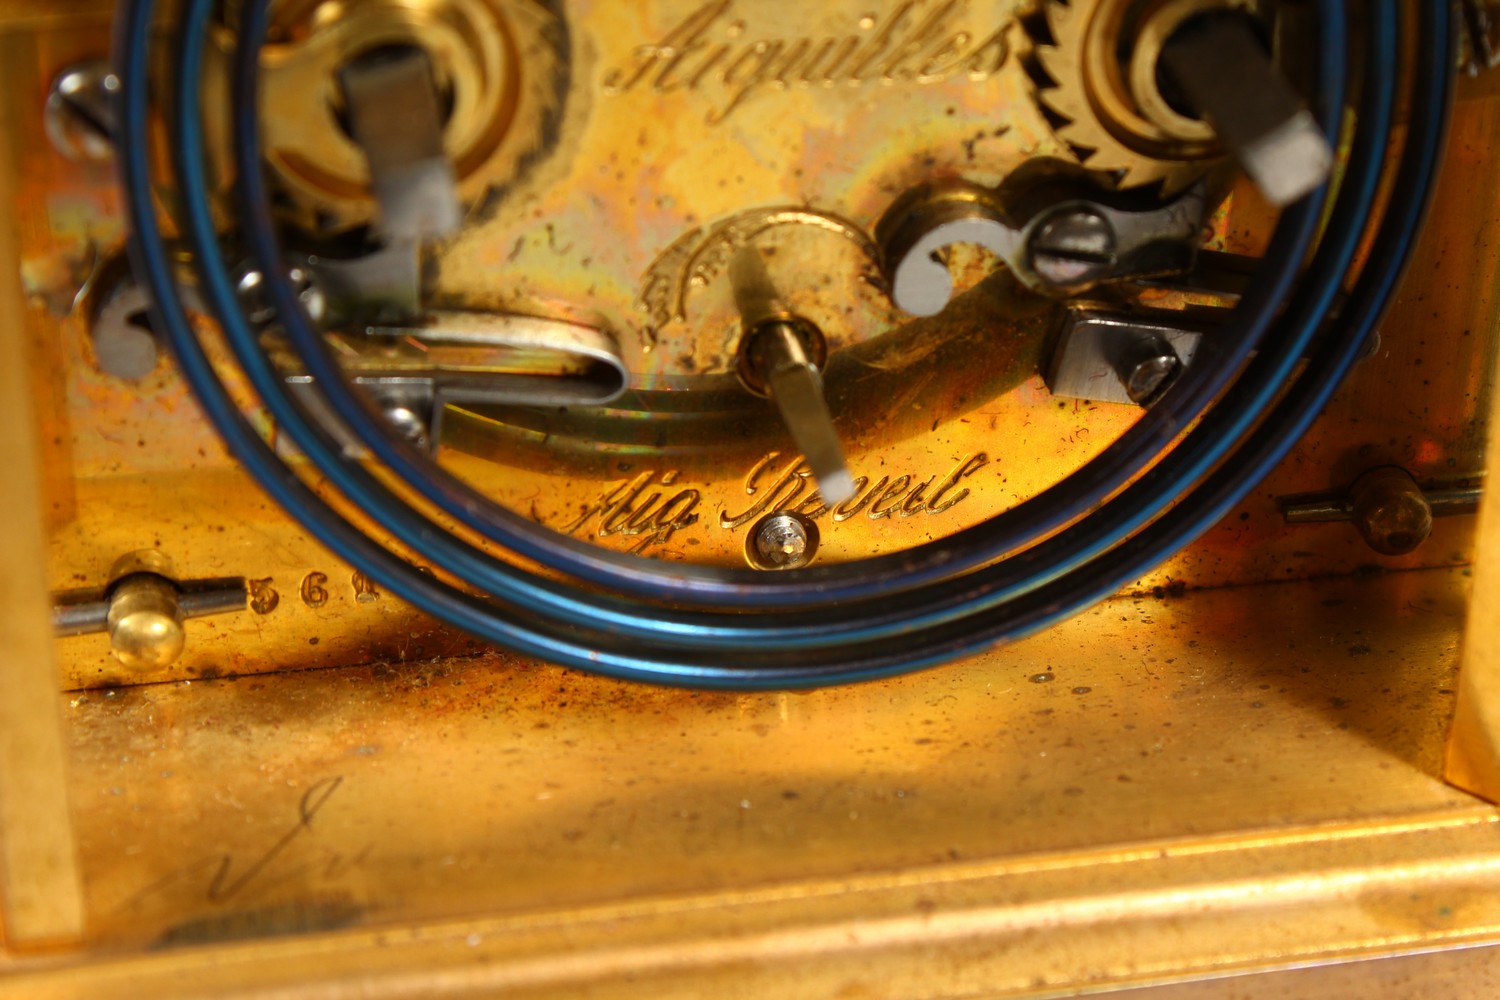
(650, 509)
(722, 52)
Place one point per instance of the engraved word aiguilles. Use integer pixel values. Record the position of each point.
(719, 53)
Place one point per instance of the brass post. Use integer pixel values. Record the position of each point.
(1473, 753)
(41, 898)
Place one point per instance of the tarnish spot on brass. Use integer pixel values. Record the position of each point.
(305, 916)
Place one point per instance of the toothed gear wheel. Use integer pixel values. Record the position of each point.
(1094, 66)
(503, 70)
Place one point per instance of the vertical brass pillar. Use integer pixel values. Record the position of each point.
(40, 893)
(1473, 755)
(1473, 752)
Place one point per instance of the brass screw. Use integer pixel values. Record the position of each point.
(1390, 511)
(1074, 246)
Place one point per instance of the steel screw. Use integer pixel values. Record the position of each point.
(1145, 382)
(80, 114)
(409, 424)
(1146, 364)
(256, 302)
(782, 541)
(1071, 247)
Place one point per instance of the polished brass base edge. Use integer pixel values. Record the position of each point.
(1026, 927)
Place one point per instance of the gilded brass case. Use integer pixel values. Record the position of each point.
(1236, 767)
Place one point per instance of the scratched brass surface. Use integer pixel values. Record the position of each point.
(1168, 788)
(937, 443)
(1162, 789)
(693, 127)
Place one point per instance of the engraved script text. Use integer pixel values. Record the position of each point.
(629, 511)
(647, 510)
(790, 489)
(715, 50)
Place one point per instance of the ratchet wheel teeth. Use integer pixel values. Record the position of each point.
(1066, 45)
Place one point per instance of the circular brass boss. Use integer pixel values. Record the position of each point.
(494, 70)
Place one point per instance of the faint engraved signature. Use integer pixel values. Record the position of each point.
(222, 878)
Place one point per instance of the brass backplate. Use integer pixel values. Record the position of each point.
(649, 178)
(1234, 767)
